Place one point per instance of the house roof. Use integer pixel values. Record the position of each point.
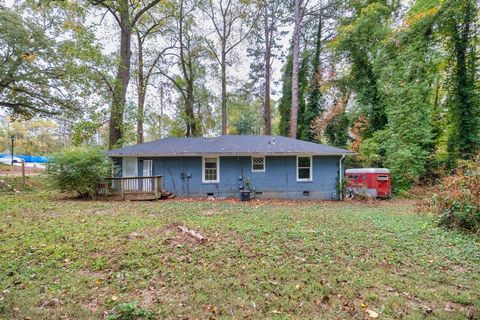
(227, 145)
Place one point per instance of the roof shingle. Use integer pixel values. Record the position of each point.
(227, 145)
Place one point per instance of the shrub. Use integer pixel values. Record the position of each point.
(458, 197)
(130, 311)
(79, 170)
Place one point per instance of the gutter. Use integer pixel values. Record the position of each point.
(340, 174)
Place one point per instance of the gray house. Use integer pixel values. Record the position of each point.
(274, 166)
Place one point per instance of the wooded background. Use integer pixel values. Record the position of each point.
(396, 81)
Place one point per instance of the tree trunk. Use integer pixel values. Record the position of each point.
(191, 125)
(268, 56)
(160, 122)
(224, 90)
(141, 91)
(296, 53)
(121, 80)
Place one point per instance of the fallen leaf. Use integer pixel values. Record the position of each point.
(449, 307)
(426, 309)
(363, 305)
(371, 313)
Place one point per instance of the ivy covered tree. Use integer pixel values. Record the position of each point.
(410, 66)
(314, 107)
(359, 41)
(460, 17)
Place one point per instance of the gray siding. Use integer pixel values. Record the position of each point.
(183, 176)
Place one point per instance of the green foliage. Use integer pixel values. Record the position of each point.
(409, 69)
(285, 104)
(44, 69)
(360, 39)
(464, 97)
(244, 115)
(336, 130)
(130, 311)
(79, 170)
(303, 128)
(458, 197)
(32, 137)
(314, 106)
(84, 131)
(372, 150)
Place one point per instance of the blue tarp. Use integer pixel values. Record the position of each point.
(27, 158)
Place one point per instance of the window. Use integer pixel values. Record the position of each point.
(258, 164)
(353, 176)
(130, 167)
(382, 178)
(211, 170)
(304, 168)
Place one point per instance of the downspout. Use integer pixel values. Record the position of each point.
(340, 175)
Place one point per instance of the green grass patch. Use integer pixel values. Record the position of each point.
(15, 184)
(80, 259)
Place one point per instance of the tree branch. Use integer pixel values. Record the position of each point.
(143, 10)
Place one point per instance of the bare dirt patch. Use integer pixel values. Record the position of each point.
(174, 236)
(17, 170)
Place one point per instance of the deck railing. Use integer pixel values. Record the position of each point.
(122, 186)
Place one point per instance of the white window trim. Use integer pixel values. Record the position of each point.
(264, 163)
(310, 179)
(218, 170)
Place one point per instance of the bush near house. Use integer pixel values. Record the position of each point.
(79, 170)
(458, 197)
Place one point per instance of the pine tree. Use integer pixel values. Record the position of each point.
(286, 99)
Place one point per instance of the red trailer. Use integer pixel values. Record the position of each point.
(373, 182)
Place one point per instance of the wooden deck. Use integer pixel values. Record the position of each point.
(133, 188)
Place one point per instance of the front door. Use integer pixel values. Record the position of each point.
(130, 169)
(147, 172)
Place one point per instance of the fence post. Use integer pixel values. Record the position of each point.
(23, 172)
(121, 189)
(156, 187)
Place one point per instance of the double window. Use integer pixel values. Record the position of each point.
(304, 168)
(210, 170)
(258, 164)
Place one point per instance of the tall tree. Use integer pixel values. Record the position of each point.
(126, 13)
(313, 108)
(359, 41)
(409, 66)
(285, 104)
(263, 47)
(189, 55)
(464, 97)
(231, 23)
(149, 28)
(298, 15)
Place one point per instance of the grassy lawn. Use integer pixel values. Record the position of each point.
(65, 259)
